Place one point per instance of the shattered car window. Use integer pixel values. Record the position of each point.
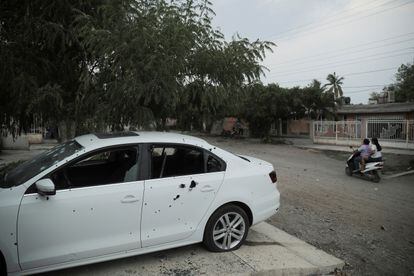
(37, 164)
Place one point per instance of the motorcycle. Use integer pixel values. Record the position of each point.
(369, 173)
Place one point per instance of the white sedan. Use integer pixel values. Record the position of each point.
(105, 196)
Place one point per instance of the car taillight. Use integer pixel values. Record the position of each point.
(273, 176)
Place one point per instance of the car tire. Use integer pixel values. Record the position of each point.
(226, 229)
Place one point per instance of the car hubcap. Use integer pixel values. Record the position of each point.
(229, 230)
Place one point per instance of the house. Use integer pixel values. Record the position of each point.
(392, 123)
(386, 111)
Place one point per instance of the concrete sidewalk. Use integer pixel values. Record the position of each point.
(267, 251)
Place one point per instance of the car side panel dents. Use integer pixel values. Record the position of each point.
(244, 183)
(9, 209)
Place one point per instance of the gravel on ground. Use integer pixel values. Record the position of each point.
(369, 225)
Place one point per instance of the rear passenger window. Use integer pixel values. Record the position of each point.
(171, 161)
(213, 164)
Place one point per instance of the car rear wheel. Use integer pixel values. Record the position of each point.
(226, 229)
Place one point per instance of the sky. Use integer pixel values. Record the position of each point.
(365, 41)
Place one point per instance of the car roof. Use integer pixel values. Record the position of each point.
(94, 141)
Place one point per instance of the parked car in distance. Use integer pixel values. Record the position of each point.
(105, 196)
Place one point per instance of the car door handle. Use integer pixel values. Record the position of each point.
(207, 188)
(129, 199)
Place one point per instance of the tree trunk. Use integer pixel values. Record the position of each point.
(67, 130)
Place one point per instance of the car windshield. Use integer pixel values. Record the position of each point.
(37, 164)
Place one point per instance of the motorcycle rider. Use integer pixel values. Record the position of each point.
(376, 151)
(365, 152)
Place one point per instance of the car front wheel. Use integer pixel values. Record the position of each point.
(226, 229)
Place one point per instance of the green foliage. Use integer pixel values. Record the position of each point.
(93, 64)
(334, 85)
(404, 86)
(265, 105)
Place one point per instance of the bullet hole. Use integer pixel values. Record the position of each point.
(47, 198)
(145, 204)
(155, 212)
(179, 219)
(147, 236)
(177, 196)
(73, 211)
(153, 230)
(191, 228)
(130, 233)
(169, 206)
(151, 187)
(91, 209)
(159, 211)
(11, 234)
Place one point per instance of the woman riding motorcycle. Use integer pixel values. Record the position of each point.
(376, 151)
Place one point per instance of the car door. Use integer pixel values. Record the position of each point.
(96, 210)
(178, 193)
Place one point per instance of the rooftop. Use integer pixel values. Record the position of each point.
(98, 141)
(377, 108)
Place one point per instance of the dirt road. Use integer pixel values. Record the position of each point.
(369, 225)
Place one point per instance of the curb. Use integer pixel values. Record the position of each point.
(398, 174)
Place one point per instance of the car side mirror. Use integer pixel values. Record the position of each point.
(45, 187)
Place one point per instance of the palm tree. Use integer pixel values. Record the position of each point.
(335, 83)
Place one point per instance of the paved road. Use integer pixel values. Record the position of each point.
(369, 225)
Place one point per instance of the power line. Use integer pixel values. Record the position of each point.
(371, 71)
(349, 21)
(340, 62)
(353, 47)
(319, 22)
(361, 86)
(327, 66)
(358, 91)
(348, 74)
(310, 59)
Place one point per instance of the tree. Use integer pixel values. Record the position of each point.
(92, 64)
(374, 96)
(334, 84)
(315, 101)
(263, 106)
(404, 86)
(43, 63)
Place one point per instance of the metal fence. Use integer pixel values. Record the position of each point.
(396, 132)
(337, 129)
